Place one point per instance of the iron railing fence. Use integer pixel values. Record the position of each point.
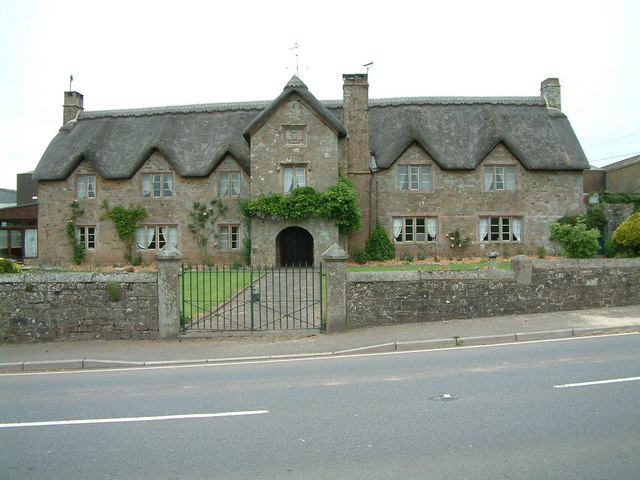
(232, 298)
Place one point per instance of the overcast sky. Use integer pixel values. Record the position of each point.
(130, 54)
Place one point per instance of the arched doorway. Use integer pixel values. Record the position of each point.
(295, 247)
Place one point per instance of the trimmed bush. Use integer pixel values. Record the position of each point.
(628, 234)
(379, 246)
(8, 266)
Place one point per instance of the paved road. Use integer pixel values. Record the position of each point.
(481, 413)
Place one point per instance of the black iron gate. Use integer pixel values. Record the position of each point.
(226, 298)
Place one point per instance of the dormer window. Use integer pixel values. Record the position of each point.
(157, 185)
(294, 177)
(229, 184)
(85, 186)
(415, 177)
(499, 178)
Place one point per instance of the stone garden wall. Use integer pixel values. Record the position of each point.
(78, 306)
(532, 286)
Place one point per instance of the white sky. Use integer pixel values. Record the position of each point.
(146, 53)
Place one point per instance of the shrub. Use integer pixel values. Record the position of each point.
(8, 266)
(379, 246)
(614, 250)
(576, 241)
(406, 257)
(542, 252)
(359, 255)
(628, 234)
(113, 289)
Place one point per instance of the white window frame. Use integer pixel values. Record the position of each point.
(500, 229)
(229, 236)
(86, 236)
(85, 186)
(157, 185)
(154, 237)
(499, 178)
(418, 229)
(415, 178)
(294, 176)
(229, 184)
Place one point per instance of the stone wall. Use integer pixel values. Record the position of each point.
(458, 199)
(76, 306)
(532, 286)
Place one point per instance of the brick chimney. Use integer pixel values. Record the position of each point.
(73, 105)
(356, 121)
(550, 90)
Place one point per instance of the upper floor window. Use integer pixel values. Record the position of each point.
(294, 177)
(500, 229)
(499, 178)
(154, 237)
(414, 177)
(87, 237)
(229, 183)
(415, 229)
(229, 237)
(85, 186)
(157, 184)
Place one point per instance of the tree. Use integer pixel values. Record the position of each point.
(203, 223)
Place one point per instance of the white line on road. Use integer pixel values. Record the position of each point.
(600, 382)
(132, 419)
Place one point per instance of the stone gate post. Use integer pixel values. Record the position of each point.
(334, 258)
(169, 260)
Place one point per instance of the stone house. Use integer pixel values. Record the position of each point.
(498, 169)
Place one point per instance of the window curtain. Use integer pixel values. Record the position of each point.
(235, 183)
(224, 184)
(224, 237)
(432, 228)
(484, 229)
(403, 177)
(146, 185)
(140, 238)
(81, 186)
(511, 178)
(162, 237)
(397, 229)
(517, 229)
(288, 180)
(299, 177)
(488, 178)
(151, 237)
(173, 236)
(168, 185)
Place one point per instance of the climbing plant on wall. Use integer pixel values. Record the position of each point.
(339, 202)
(203, 222)
(71, 231)
(125, 222)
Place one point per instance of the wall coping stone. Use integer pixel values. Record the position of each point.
(79, 277)
(426, 275)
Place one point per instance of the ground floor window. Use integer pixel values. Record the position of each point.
(415, 229)
(500, 229)
(87, 237)
(229, 237)
(154, 237)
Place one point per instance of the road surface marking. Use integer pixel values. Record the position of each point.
(132, 419)
(600, 382)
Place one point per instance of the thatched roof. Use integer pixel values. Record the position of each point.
(458, 132)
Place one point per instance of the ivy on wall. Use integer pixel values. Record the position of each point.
(125, 222)
(339, 202)
(70, 230)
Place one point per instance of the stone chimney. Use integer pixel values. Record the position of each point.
(73, 105)
(356, 121)
(550, 90)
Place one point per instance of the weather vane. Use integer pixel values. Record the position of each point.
(70, 82)
(368, 66)
(296, 47)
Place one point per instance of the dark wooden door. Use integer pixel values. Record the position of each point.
(296, 247)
